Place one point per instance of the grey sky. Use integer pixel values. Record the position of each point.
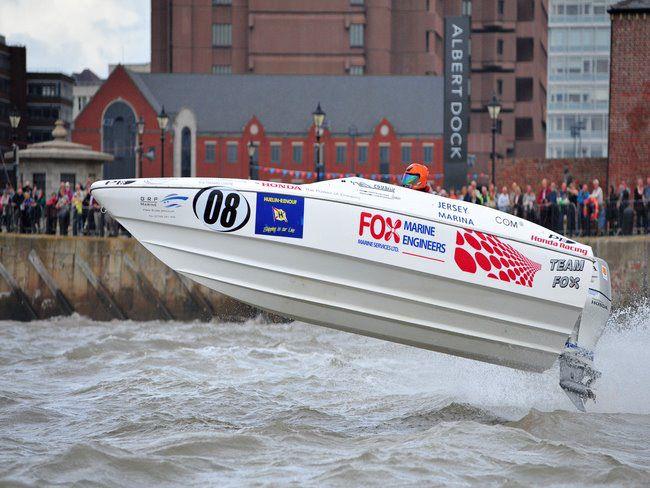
(70, 35)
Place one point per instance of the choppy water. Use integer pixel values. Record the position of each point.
(127, 403)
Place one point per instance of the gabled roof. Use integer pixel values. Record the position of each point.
(629, 6)
(86, 77)
(284, 104)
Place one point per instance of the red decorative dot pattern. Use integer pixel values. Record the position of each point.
(476, 252)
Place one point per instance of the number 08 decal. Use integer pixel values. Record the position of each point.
(221, 209)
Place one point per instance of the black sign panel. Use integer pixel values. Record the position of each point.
(457, 71)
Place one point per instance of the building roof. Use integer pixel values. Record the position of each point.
(629, 6)
(284, 104)
(60, 148)
(86, 77)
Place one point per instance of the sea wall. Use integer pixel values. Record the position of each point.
(104, 278)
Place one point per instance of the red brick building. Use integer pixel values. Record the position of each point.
(629, 99)
(372, 37)
(375, 125)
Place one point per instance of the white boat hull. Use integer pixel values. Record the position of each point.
(415, 288)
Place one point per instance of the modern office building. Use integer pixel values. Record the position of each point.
(578, 78)
(371, 37)
(49, 98)
(12, 91)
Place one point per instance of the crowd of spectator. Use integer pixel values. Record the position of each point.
(572, 208)
(69, 211)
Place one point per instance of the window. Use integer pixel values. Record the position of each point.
(297, 153)
(525, 49)
(356, 35)
(500, 7)
(221, 69)
(221, 2)
(356, 70)
(38, 180)
(69, 178)
(341, 155)
(466, 7)
(499, 87)
(210, 152)
(275, 152)
(232, 152)
(356, 2)
(526, 10)
(427, 41)
(499, 47)
(602, 66)
(406, 153)
(427, 154)
(362, 154)
(524, 89)
(222, 35)
(523, 128)
(384, 154)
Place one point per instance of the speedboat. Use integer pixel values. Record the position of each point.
(383, 261)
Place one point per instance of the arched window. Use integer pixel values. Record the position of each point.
(119, 133)
(186, 152)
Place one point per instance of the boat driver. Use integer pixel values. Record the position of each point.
(416, 177)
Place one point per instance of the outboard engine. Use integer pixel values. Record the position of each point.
(577, 371)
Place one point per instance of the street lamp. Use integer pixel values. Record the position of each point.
(140, 125)
(319, 119)
(251, 153)
(352, 132)
(14, 121)
(163, 120)
(494, 109)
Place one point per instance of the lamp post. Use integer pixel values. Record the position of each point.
(494, 109)
(163, 120)
(576, 132)
(140, 125)
(14, 121)
(352, 132)
(251, 154)
(319, 118)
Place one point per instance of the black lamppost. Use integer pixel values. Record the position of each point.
(140, 125)
(163, 120)
(14, 121)
(319, 118)
(576, 129)
(494, 109)
(251, 163)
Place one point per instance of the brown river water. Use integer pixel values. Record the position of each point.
(219, 404)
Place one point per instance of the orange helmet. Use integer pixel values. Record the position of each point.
(415, 177)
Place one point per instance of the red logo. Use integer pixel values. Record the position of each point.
(380, 227)
(501, 261)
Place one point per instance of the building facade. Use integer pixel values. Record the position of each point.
(49, 98)
(578, 78)
(372, 37)
(369, 130)
(85, 86)
(629, 116)
(12, 91)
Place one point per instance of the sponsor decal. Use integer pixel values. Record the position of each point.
(279, 215)
(567, 264)
(600, 304)
(603, 271)
(487, 255)
(454, 212)
(560, 243)
(221, 209)
(508, 222)
(173, 200)
(274, 184)
(564, 281)
(396, 235)
(373, 186)
(119, 182)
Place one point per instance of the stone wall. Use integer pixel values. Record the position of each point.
(134, 284)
